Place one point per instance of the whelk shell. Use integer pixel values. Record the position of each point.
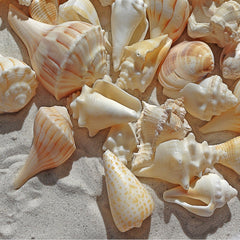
(53, 143)
(129, 201)
(64, 56)
(17, 84)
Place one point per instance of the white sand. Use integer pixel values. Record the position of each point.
(71, 201)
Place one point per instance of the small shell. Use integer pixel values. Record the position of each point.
(64, 56)
(188, 61)
(78, 10)
(17, 84)
(45, 11)
(53, 142)
(129, 201)
(107, 104)
(167, 17)
(203, 196)
(105, 3)
(208, 98)
(129, 25)
(179, 161)
(140, 62)
(25, 2)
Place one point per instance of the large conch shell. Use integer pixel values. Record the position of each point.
(203, 196)
(129, 201)
(64, 56)
(208, 98)
(167, 17)
(17, 84)
(179, 161)
(188, 61)
(128, 24)
(103, 106)
(140, 62)
(215, 21)
(53, 143)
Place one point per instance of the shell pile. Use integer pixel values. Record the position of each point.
(70, 53)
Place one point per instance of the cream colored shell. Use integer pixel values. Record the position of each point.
(17, 84)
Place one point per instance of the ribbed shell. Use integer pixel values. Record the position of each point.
(53, 142)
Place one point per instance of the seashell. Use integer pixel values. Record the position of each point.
(25, 2)
(17, 84)
(64, 56)
(179, 161)
(203, 196)
(129, 201)
(208, 98)
(78, 10)
(122, 142)
(105, 3)
(107, 103)
(167, 17)
(128, 24)
(45, 11)
(140, 62)
(188, 61)
(215, 21)
(53, 143)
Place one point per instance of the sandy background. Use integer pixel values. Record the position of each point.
(71, 201)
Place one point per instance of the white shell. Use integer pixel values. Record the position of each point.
(129, 201)
(128, 24)
(17, 84)
(103, 106)
(203, 196)
(140, 62)
(208, 98)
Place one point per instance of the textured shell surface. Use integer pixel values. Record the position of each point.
(53, 143)
(129, 200)
(78, 10)
(107, 103)
(64, 56)
(45, 11)
(188, 61)
(203, 196)
(128, 24)
(208, 98)
(122, 142)
(167, 17)
(179, 161)
(17, 84)
(140, 62)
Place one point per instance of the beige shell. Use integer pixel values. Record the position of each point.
(215, 21)
(208, 98)
(167, 17)
(45, 11)
(128, 24)
(188, 61)
(64, 56)
(78, 10)
(179, 161)
(140, 62)
(25, 2)
(203, 196)
(129, 201)
(103, 106)
(53, 143)
(105, 3)
(17, 84)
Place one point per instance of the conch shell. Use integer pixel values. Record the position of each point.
(188, 61)
(17, 84)
(140, 62)
(203, 196)
(128, 24)
(208, 98)
(53, 142)
(103, 106)
(64, 56)
(167, 17)
(129, 201)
